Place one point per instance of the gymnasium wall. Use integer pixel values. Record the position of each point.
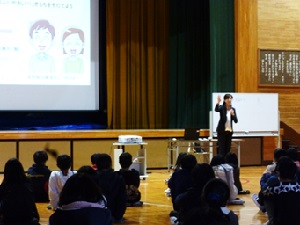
(264, 24)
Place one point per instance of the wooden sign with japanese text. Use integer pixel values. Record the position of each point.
(279, 67)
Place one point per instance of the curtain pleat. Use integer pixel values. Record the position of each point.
(189, 64)
(137, 64)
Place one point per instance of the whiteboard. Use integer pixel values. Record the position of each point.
(257, 114)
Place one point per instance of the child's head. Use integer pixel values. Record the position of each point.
(63, 162)
(103, 162)
(216, 193)
(231, 158)
(217, 160)
(40, 157)
(125, 160)
(13, 172)
(201, 174)
(80, 187)
(86, 169)
(287, 168)
(292, 153)
(279, 152)
(179, 158)
(94, 158)
(188, 162)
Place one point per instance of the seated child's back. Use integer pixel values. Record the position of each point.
(39, 175)
(132, 180)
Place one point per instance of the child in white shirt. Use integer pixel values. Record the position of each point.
(58, 179)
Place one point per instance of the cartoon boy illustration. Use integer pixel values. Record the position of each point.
(73, 46)
(42, 34)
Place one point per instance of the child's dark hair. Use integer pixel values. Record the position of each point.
(86, 169)
(104, 161)
(201, 174)
(125, 160)
(94, 158)
(40, 157)
(63, 162)
(80, 187)
(231, 158)
(286, 167)
(188, 162)
(292, 153)
(14, 172)
(279, 152)
(177, 165)
(216, 193)
(217, 160)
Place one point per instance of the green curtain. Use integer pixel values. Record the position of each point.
(222, 45)
(201, 57)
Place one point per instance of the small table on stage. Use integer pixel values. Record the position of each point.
(139, 161)
(174, 146)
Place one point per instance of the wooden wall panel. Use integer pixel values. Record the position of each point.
(246, 46)
(279, 24)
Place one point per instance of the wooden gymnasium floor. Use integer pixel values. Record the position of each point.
(157, 206)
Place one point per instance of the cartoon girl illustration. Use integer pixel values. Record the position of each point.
(73, 46)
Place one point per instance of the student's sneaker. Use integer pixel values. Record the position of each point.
(168, 192)
(174, 217)
(174, 220)
(244, 192)
(237, 201)
(138, 204)
(255, 199)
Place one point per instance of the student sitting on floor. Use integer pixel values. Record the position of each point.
(39, 175)
(225, 172)
(81, 202)
(191, 199)
(58, 179)
(267, 174)
(17, 201)
(181, 180)
(132, 180)
(113, 186)
(232, 159)
(282, 194)
(175, 168)
(216, 194)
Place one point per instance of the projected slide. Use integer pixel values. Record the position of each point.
(49, 54)
(45, 42)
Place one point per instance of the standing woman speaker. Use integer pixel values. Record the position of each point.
(224, 128)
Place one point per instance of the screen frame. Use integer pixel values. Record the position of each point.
(66, 119)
